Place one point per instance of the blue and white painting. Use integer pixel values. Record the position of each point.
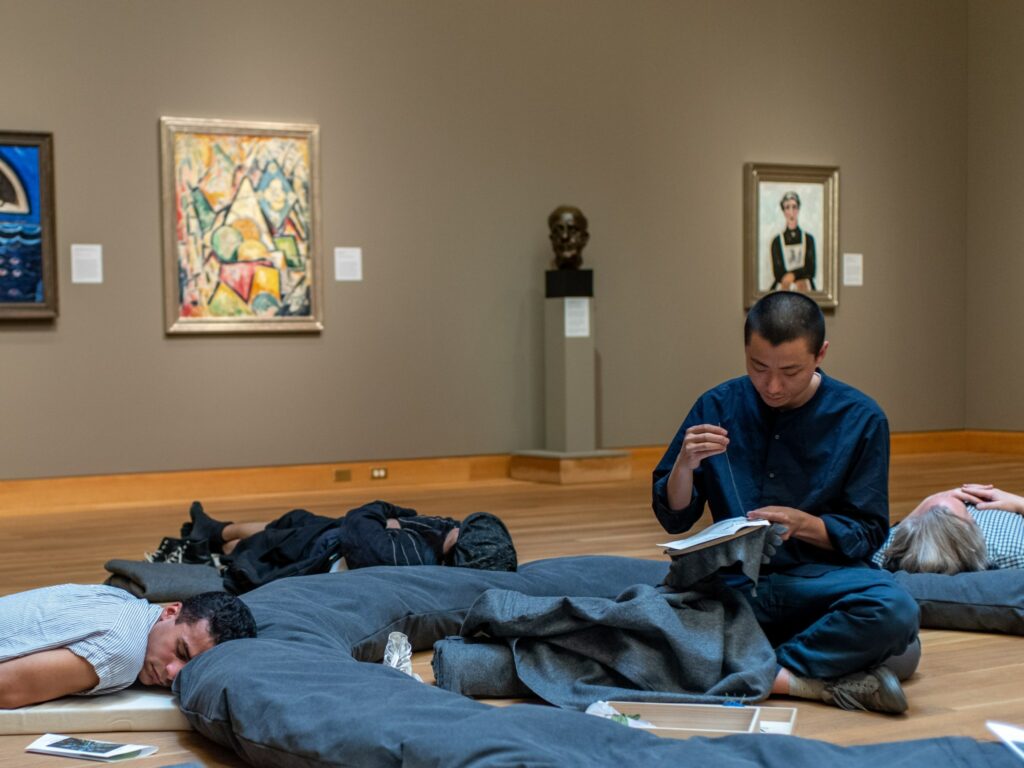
(21, 235)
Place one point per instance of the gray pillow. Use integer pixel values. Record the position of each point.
(298, 697)
(984, 601)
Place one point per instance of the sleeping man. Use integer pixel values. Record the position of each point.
(378, 533)
(90, 639)
(971, 528)
(788, 444)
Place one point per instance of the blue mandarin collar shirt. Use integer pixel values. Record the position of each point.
(829, 458)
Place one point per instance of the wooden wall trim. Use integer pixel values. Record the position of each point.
(902, 443)
(994, 441)
(145, 488)
(970, 440)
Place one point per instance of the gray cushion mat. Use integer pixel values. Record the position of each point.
(308, 691)
(984, 601)
(162, 582)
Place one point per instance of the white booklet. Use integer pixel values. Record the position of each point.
(87, 749)
(1012, 736)
(722, 531)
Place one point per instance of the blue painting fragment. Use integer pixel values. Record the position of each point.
(21, 242)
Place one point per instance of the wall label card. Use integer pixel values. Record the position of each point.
(86, 263)
(348, 264)
(577, 318)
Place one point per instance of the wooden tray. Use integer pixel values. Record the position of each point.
(680, 721)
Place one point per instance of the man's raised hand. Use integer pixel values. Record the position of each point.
(701, 441)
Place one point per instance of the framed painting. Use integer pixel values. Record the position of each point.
(28, 262)
(791, 231)
(241, 217)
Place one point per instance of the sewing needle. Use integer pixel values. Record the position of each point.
(732, 477)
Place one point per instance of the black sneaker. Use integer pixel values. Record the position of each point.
(170, 550)
(876, 690)
(196, 552)
(185, 551)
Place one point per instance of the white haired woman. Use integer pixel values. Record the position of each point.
(971, 528)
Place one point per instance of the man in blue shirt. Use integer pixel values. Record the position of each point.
(787, 444)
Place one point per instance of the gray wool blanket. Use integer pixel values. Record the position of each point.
(750, 551)
(162, 582)
(284, 699)
(648, 643)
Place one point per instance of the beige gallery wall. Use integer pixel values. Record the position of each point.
(449, 130)
(995, 257)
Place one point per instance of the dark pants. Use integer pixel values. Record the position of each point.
(841, 621)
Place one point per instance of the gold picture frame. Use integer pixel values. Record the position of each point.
(791, 231)
(241, 217)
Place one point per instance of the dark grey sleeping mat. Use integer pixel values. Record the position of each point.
(985, 601)
(310, 691)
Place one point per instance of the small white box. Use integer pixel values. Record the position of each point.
(681, 721)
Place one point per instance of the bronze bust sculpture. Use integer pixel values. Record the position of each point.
(569, 236)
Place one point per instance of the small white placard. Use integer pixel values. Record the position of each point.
(853, 269)
(348, 264)
(86, 263)
(577, 318)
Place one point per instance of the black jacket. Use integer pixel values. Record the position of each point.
(300, 542)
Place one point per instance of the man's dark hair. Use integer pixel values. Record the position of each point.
(484, 543)
(229, 617)
(784, 316)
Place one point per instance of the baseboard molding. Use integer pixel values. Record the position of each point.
(953, 440)
(153, 488)
(571, 469)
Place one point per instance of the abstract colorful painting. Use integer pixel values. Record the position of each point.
(241, 211)
(28, 270)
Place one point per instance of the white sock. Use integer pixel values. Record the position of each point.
(806, 688)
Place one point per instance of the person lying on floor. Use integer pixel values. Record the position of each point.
(378, 533)
(790, 445)
(90, 639)
(971, 528)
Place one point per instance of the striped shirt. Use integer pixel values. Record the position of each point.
(1004, 537)
(106, 626)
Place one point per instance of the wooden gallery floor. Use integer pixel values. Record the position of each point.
(964, 678)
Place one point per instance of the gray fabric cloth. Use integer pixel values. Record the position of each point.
(690, 568)
(162, 582)
(476, 668)
(285, 699)
(648, 644)
(310, 707)
(984, 601)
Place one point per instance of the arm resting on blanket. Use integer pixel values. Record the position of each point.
(43, 676)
